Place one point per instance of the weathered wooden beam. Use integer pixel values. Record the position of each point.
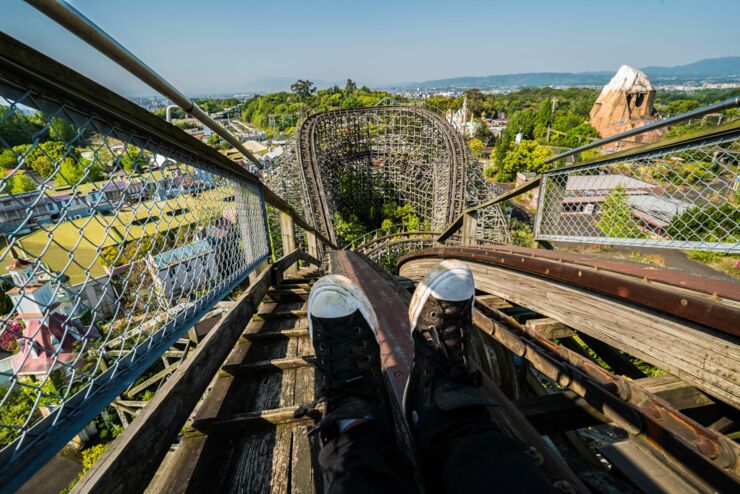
(679, 394)
(286, 314)
(275, 335)
(469, 228)
(618, 362)
(249, 420)
(287, 234)
(492, 301)
(549, 328)
(152, 380)
(270, 365)
(131, 460)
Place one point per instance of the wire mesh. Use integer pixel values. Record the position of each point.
(684, 196)
(112, 244)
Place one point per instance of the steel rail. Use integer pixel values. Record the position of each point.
(719, 106)
(77, 23)
(705, 310)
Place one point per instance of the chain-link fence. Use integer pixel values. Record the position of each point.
(113, 243)
(681, 196)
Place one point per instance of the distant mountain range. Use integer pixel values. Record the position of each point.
(724, 69)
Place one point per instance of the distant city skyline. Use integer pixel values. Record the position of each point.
(224, 46)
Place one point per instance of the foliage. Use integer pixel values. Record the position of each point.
(19, 405)
(303, 88)
(476, 147)
(713, 223)
(521, 233)
(62, 130)
(6, 305)
(43, 157)
(349, 229)
(13, 329)
(616, 219)
(7, 159)
(725, 263)
(279, 112)
(394, 214)
(16, 129)
(134, 159)
(20, 182)
(526, 156)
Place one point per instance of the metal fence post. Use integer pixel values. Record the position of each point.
(469, 228)
(287, 233)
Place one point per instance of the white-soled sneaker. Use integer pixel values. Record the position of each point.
(441, 313)
(342, 326)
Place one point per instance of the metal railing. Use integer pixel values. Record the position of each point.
(679, 192)
(118, 232)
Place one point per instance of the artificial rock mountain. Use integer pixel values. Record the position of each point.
(626, 102)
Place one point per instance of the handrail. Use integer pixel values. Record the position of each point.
(651, 147)
(719, 106)
(78, 24)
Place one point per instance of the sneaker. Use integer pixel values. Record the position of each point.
(342, 327)
(441, 314)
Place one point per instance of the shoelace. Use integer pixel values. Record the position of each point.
(451, 339)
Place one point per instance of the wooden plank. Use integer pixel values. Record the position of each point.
(679, 394)
(281, 458)
(492, 301)
(645, 470)
(301, 466)
(284, 314)
(707, 359)
(156, 377)
(270, 365)
(275, 335)
(247, 420)
(131, 460)
(549, 328)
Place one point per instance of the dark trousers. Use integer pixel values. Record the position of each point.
(459, 451)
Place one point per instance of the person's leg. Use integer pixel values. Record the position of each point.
(460, 446)
(359, 452)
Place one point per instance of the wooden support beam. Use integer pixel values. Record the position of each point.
(270, 365)
(679, 394)
(275, 335)
(313, 246)
(469, 228)
(286, 314)
(492, 301)
(549, 328)
(287, 234)
(132, 459)
(249, 420)
(152, 380)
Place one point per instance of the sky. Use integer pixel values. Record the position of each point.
(220, 46)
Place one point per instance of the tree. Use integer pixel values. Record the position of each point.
(303, 88)
(70, 173)
(20, 182)
(616, 219)
(61, 130)
(350, 86)
(526, 156)
(476, 147)
(214, 139)
(15, 129)
(133, 159)
(8, 159)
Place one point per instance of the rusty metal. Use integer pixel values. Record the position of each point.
(697, 308)
(700, 453)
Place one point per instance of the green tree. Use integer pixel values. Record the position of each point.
(134, 159)
(7, 159)
(349, 229)
(15, 129)
(61, 130)
(303, 88)
(20, 182)
(476, 147)
(350, 86)
(70, 173)
(615, 217)
(527, 156)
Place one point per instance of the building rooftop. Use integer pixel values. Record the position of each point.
(605, 182)
(181, 254)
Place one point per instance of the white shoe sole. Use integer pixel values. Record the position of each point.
(341, 290)
(439, 275)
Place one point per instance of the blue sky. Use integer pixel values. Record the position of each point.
(221, 45)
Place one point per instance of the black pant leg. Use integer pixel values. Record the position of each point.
(366, 459)
(463, 451)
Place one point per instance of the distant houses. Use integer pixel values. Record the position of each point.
(183, 270)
